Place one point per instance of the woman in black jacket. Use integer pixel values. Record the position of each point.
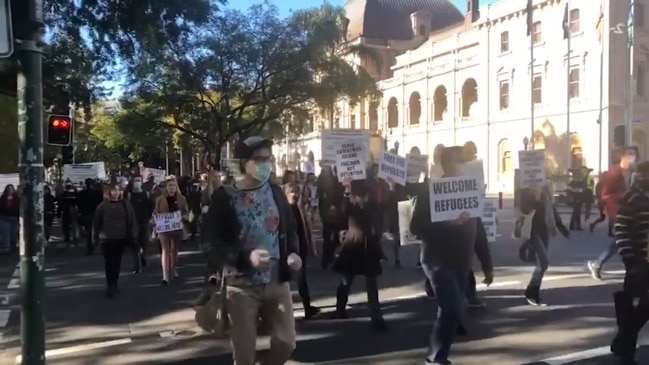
(361, 251)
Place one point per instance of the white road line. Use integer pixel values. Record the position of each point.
(81, 348)
(4, 317)
(5, 299)
(585, 355)
(14, 283)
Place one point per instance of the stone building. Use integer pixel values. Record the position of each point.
(453, 77)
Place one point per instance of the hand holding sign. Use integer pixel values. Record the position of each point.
(347, 184)
(259, 258)
(463, 218)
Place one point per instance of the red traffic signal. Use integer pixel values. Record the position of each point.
(59, 130)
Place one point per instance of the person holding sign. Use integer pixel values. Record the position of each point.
(252, 238)
(361, 250)
(446, 258)
(114, 229)
(170, 210)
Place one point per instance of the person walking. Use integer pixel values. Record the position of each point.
(170, 201)
(114, 229)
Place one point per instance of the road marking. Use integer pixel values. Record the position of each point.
(81, 348)
(585, 355)
(5, 299)
(14, 283)
(4, 317)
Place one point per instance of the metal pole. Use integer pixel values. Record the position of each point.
(531, 142)
(631, 91)
(601, 94)
(32, 178)
(569, 160)
(72, 113)
(167, 157)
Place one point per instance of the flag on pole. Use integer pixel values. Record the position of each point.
(599, 27)
(629, 24)
(530, 18)
(565, 24)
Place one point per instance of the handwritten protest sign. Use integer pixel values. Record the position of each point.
(77, 173)
(450, 196)
(532, 166)
(332, 138)
(350, 161)
(416, 165)
(158, 174)
(392, 166)
(489, 214)
(168, 222)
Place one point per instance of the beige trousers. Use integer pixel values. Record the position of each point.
(274, 303)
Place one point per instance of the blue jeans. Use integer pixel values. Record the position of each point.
(607, 254)
(449, 286)
(539, 244)
(9, 233)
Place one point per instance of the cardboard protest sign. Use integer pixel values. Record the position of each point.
(532, 166)
(392, 166)
(490, 212)
(416, 166)
(168, 222)
(78, 173)
(451, 196)
(350, 161)
(332, 138)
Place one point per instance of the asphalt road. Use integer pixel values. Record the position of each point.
(150, 324)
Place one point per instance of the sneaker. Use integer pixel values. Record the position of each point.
(431, 362)
(595, 270)
(311, 312)
(165, 282)
(533, 298)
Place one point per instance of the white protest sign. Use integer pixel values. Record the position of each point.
(392, 166)
(532, 166)
(168, 222)
(332, 138)
(8, 179)
(158, 174)
(405, 209)
(313, 198)
(350, 161)
(450, 196)
(80, 172)
(416, 166)
(308, 167)
(476, 169)
(489, 215)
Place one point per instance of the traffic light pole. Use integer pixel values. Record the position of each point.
(32, 237)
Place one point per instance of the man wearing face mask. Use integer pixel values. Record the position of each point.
(631, 226)
(143, 207)
(617, 182)
(251, 233)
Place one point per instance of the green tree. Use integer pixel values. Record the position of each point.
(338, 75)
(236, 76)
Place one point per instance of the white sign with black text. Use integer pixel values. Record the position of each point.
(350, 161)
(332, 138)
(78, 173)
(168, 222)
(532, 167)
(490, 212)
(392, 167)
(417, 165)
(451, 196)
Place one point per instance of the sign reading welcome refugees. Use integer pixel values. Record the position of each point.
(350, 161)
(392, 166)
(532, 166)
(451, 196)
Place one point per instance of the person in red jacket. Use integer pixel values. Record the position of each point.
(615, 186)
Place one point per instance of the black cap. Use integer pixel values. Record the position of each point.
(244, 149)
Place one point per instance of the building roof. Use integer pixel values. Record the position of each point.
(390, 19)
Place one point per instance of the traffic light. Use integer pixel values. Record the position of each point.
(59, 130)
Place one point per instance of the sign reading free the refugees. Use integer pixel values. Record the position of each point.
(451, 196)
(350, 161)
(392, 167)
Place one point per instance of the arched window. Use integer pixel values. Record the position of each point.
(415, 108)
(393, 113)
(440, 103)
(504, 157)
(469, 96)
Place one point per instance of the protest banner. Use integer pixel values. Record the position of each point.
(451, 196)
(489, 221)
(392, 166)
(78, 173)
(158, 174)
(332, 138)
(476, 169)
(168, 222)
(532, 166)
(416, 166)
(350, 161)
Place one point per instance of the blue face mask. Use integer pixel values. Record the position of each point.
(263, 171)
